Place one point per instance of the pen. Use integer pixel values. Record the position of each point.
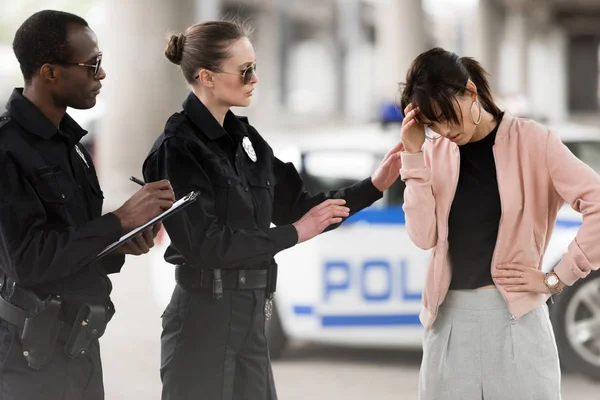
(136, 180)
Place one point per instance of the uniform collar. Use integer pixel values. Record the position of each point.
(26, 114)
(207, 123)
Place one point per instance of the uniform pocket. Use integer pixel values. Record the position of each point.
(173, 321)
(52, 186)
(262, 184)
(223, 180)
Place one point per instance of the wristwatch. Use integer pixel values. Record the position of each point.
(552, 283)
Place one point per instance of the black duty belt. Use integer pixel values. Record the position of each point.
(13, 314)
(40, 325)
(236, 279)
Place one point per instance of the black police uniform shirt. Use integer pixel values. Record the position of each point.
(50, 209)
(229, 225)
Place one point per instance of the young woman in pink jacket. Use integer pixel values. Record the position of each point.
(483, 191)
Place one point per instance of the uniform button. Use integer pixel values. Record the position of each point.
(243, 279)
(26, 353)
(229, 181)
(62, 195)
(246, 188)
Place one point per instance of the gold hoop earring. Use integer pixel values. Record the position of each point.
(471, 113)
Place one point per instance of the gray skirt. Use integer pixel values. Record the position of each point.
(474, 351)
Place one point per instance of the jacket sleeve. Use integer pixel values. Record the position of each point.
(292, 201)
(579, 185)
(419, 202)
(33, 251)
(195, 231)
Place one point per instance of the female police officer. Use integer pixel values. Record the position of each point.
(213, 341)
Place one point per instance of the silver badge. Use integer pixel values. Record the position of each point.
(81, 155)
(247, 145)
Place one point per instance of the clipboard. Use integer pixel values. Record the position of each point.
(177, 206)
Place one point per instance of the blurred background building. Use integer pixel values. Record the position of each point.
(324, 62)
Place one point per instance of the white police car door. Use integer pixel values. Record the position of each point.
(366, 275)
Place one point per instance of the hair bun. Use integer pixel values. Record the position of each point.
(174, 51)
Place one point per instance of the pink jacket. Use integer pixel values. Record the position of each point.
(536, 175)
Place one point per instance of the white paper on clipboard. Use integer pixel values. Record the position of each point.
(177, 206)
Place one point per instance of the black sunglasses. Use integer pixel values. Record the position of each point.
(96, 66)
(246, 74)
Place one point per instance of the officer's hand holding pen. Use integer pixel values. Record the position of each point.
(148, 202)
(320, 217)
(156, 227)
(143, 242)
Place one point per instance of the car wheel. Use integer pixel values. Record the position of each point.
(575, 317)
(276, 337)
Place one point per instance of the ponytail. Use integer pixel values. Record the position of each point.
(479, 76)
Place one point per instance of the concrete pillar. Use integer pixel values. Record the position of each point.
(270, 52)
(142, 87)
(141, 91)
(483, 37)
(353, 62)
(514, 51)
(583, 73)
(208, 10)
(400, 37)
(548, 90)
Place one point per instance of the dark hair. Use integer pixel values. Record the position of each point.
(436, 77)
(42, 39)
(204, 45)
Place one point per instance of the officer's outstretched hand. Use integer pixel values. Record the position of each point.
(389, 169)
(148, 202)
(320, 217)
(142, 243)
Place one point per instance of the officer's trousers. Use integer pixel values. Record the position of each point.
(215, 349)
(474, 351)
(63, 378)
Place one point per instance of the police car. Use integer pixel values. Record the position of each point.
(361, 284)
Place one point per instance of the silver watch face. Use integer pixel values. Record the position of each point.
(552, 280)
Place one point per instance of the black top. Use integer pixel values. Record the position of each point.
(50, 209)
(474, 216)
(229, 225)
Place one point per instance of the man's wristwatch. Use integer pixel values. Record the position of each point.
(552, 283)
